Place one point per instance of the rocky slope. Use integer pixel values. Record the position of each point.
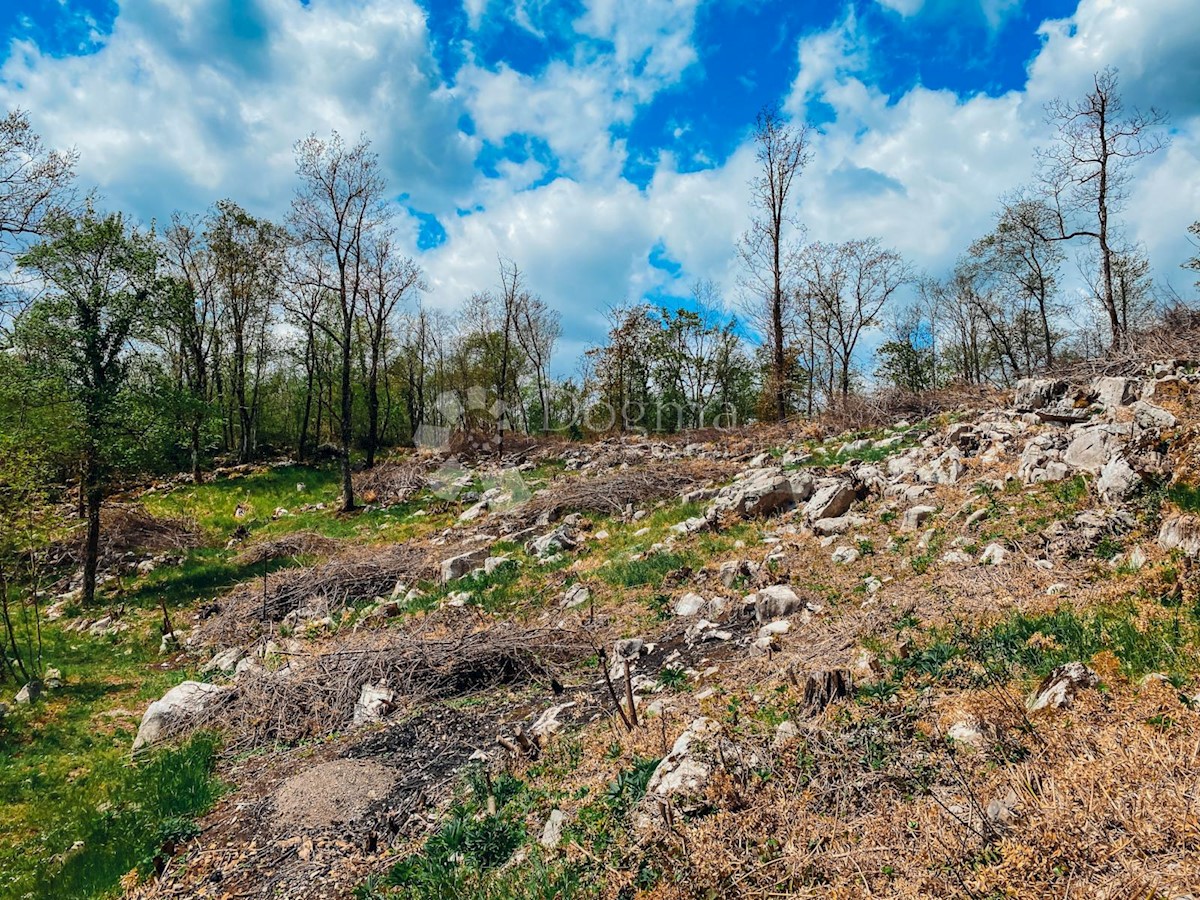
(953, 658)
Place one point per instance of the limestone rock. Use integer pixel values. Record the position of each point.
(1059, 688)
(374, 702)
(457, 566)
(1181, 533)
(191, 698)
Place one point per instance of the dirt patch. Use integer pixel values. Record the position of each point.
(331, 793)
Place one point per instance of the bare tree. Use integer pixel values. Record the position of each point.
(248, 259)
(34, 182)
(337, 206)
(782, 154)
(849, 283)
(1085, 173)
(538, 330)
(191, 319)
(390, 279)
(1194, 262)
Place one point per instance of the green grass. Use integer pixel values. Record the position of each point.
(1035, 644)
(649, 570)
(66, 773)
(1185, 496)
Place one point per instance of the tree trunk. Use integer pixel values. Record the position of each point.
(346, 423)
(91, 544)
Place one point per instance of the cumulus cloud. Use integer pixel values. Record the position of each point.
(183, 105)
(191, 101)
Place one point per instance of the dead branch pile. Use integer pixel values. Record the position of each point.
(1176, 336)
(298, 543)
(316, 695)
(130, 528)
(389, 483)
(320, 590)
(612, 492)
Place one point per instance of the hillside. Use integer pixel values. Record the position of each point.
(955, 657)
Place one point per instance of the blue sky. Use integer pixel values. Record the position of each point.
(603, 144)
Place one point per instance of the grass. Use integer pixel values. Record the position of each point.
(649, 570)
(1163, 642)
(66, 774)
(1185, 496)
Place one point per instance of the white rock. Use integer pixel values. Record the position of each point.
(183, 701)
(993, 555)
(689, 604)
(552, 833)
(1059, 688)
(374, 702)
(1181, 533)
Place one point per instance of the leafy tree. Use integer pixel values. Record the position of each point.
(100, 279)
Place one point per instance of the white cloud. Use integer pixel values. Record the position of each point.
(904, 7)
(172, 111)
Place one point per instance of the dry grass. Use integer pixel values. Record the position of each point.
(390, 483)
(130, 528)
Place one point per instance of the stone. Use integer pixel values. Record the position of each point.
(775, 602)
(628, 649)
(29, 693)
(458, 566)
(1181, 533)
(1148, 416)
(993, 555)
(225, 661)
(845, 555)
(966, 733)
(552, 832)
(550, 722)
(785, 733)
(838, 525)
(561, 538)
(732, 570)
(1117, 481)
(176, 706)
(492, 563)
(1037, 393)
(1116, 391)
(689, 604)
(576, 595)
(916, 517)
(829, 501)
(1059, 689)
(683, 776)
(374, 702)
(1091, 449)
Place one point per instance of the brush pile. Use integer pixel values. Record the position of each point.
(390, 483)
(299, 543)
(315, 695)
(313, 591)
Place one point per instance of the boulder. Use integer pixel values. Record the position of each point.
(1118, 481)
(838, 525)
(1091, 449)
(224, 662)
(682, 778)
(561, 538)
(1181, 533)
(1059, 688)
(761, 492)
(576, 595)
(374, 702)
(1113, 392)
(1037, 393)
(1148, 416)
(916, 517)
(775, 602)
(689, 604)
(29, 693)
(175, 707)
(831, 499)
(457, 566)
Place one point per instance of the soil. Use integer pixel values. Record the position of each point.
(331, 794)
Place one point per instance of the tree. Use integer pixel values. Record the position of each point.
(538, 330)
(100, 280)
(850, 284)
(390, 279)
(337, 208)
(1194, 262)
(189, 325)
(781, 153)
(1016, 253)
(906, 359)
(1085, 173)
(35, 183)
(247, 255)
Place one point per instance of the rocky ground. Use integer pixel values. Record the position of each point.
(949, 658)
